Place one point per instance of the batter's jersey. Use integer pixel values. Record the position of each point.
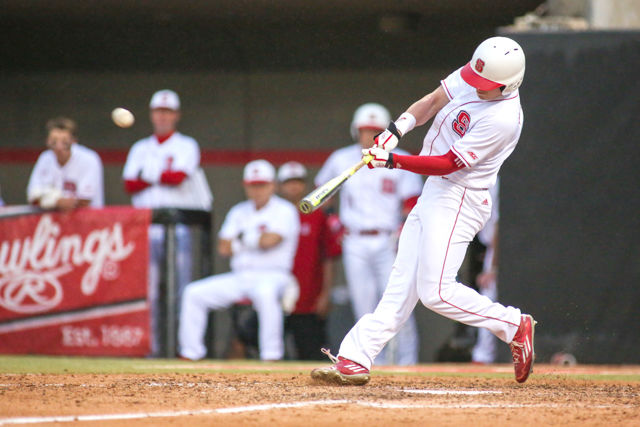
(81, 177)
(371, 199)
(481, 133)
(178, 153)
(317, 242)
(277, 216)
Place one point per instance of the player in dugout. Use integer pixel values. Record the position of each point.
(67, 175)
(163, 171)
(260, 235)
(314, 264)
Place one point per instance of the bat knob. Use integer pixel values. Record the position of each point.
(305, 206)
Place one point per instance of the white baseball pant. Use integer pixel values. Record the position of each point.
(432, 247)
(367, 261)
(485, 350)
(265, 290)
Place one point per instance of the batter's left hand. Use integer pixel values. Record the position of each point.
(381, 159)
(387, 139)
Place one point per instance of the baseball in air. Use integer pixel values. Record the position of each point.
(122, 117)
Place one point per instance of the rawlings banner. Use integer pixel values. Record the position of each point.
(75, 283)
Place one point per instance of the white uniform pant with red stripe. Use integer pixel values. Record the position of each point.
(367, 262)
(432, 247)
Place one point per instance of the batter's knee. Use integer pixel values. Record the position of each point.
(429, 294)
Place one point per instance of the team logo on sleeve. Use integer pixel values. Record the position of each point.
(461, 123)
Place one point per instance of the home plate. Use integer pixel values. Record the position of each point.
(466, 392)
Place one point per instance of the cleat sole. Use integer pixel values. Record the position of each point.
(334, 377)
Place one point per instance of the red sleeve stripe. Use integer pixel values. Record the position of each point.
(446, 89)
(460, 157)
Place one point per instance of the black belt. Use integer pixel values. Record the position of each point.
(373, 232)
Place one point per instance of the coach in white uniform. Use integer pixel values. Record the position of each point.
(163, 171)
(261, 237)
(371, 210)
(67, 175)
(477, 124)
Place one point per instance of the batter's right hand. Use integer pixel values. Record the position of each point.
(381, 159)
(388, 139)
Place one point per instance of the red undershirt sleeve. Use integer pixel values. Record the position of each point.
(429, 165)
(172, 177)
(408, 204)
(134, 185)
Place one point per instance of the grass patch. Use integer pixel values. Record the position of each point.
(115, 365)
(39, 364)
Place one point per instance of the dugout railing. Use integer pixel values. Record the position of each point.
(200, 224)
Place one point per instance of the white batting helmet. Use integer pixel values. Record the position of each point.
(497, 61)
(369, 116)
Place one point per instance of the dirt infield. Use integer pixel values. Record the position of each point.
(430, 394)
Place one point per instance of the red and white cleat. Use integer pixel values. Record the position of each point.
(522, 348)
(342, 372)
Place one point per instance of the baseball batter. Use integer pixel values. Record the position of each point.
(67, 175)
(368, 247)
(260, 235)
(163, 171)
(478, 120)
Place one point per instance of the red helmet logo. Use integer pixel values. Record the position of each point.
(479, 65)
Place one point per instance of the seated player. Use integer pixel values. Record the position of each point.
(260, 235)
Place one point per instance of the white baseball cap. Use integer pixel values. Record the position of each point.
(369, 116)
(259, 171)
(291, 170)
(165, 99)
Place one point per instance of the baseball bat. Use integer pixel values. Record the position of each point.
(320, 195)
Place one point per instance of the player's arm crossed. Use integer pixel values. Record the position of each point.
(265, 241)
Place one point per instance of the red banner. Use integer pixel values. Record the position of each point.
(75, 283)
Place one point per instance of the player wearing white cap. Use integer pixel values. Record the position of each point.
(260, 235)
(163, 171)
(67, 175)
(313, 266)
(368, 247)
(478, 120)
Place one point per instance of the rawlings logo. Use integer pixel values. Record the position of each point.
(30, 268)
